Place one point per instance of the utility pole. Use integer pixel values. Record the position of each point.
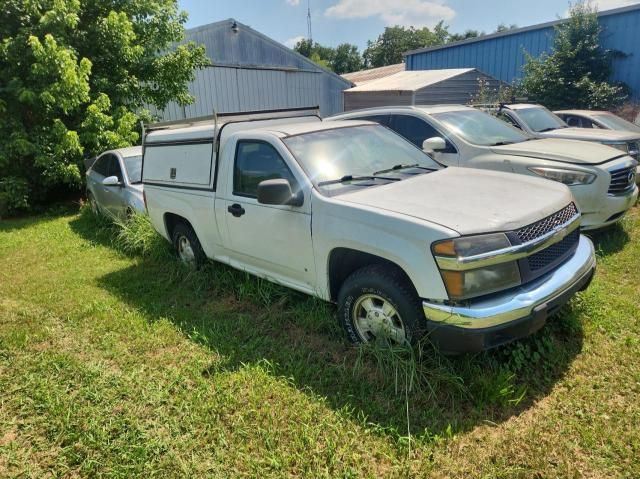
(309, 21)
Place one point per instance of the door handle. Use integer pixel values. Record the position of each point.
(236, 210)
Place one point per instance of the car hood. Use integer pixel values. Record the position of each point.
(566, 151)
(467, 200)
(591, 134)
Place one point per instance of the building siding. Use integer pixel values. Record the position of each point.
(459, 89)
(504, 56)
(250, 72)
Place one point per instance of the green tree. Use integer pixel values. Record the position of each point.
(503, 27)
(315, 52)
(576, 72)
(74, 78)
(347, 59)
(457, 37)
(388, 48)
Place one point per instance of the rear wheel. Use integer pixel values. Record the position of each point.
(376, 304)
(188, 246)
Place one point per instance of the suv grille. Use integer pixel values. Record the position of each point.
(622, 180)
(545, 225)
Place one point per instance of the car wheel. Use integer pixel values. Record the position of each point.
(188, 246)
(93, 204)
(376, 304)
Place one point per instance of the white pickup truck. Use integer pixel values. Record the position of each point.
(352, 213)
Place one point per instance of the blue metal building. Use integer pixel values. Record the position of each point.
(502, 55)
(250, 71)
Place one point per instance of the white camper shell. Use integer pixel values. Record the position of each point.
(183, 154)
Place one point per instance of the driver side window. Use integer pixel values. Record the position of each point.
(506, 118)
(114, 168)
(417, 130)
(257, 161)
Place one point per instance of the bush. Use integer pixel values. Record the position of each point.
(14, 195)
(576, 73)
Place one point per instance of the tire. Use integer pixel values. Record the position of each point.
(187, 246)
(372, 291)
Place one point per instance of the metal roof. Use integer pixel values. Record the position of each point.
(363, 76)
(507, 33)
(261, 53)
(410, 80)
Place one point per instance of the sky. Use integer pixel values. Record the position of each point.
(356, 21)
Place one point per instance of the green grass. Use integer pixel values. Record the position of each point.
(115, 361)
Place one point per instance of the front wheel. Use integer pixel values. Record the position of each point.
(376, 304)
(187, 246)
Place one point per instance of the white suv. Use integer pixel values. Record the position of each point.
(601, 178)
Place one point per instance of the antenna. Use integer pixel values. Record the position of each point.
(309, 21)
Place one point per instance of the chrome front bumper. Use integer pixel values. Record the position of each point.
(502, 309)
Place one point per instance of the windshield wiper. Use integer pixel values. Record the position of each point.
(347, 178)
(404, 167)
(549, 129)
(502, 143)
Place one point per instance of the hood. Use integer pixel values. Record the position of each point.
(566, 151)
(591, 134)
(468, 200)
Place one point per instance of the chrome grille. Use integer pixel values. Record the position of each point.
(622, 180)
(542, 227)
(553, 253)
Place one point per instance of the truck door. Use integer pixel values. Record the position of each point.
(273, 240)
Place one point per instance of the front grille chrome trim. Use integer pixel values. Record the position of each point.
(620, 182)
(511, 253)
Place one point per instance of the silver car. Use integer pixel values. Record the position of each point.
(114, 185)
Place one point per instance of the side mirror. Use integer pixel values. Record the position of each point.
(278, 192)
(431, 145)
(111, 181)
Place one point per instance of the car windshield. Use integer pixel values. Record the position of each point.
(480, 128)
(133, 165)
(364, 151)
(614, 122)
(539, 119)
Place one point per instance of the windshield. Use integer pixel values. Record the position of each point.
(133, 165)
(614, 122)
(355, 151)
(540, 119)
(480, 128)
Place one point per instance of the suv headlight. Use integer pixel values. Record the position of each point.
(568, 177)
(462, 283)
(618, 146)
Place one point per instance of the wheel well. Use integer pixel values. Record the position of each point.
(170, 222)
(344, 261)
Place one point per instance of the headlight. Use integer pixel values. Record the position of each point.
(618, 146)
(568, 177)
(468, 283)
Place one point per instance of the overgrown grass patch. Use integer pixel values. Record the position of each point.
(116, 361)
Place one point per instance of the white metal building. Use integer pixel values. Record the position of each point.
(423, 87)
(251, 72)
